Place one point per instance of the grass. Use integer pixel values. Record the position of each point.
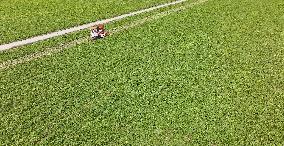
(58, 41)
(26, 18)
(211, 75)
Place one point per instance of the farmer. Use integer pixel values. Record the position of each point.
(98, 32)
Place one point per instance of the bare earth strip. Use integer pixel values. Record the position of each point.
(50, 51)
(70, 30)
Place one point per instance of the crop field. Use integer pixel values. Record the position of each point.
(210, 74)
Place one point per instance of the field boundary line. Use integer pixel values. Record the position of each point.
(81, 27)
(53, 50)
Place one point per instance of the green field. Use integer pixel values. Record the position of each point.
(210, 75)
(21, 19)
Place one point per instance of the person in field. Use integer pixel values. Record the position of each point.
(98, 32)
